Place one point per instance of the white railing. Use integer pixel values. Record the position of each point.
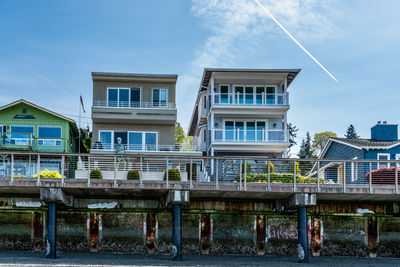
(229, 173)
(256, 136)
(147, 147)
(251, 99)
(132, 104)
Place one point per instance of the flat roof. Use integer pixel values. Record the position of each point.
(292, 73)
(122, 74)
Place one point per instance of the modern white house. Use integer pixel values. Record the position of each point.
(242, 112)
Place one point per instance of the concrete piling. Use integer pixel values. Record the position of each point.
(302, 234)
(205, 234)
(51, 230)
(151, 221)
(316, 236)
(177, 231)
(94, 232)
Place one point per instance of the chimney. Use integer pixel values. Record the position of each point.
(384, 132)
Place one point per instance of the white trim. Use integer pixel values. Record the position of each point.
(353, 170)
(112, 139)
(22, 125)
(388, 158)
(118, 88)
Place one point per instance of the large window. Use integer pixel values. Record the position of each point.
(21, 134)
(143, 141)
(105, 140)
(49, 136)
(124, 97)
(244, 131)
(160, 97)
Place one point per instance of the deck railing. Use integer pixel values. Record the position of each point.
(258, 174)
(132, 104)
(251, 99)
(252, 136)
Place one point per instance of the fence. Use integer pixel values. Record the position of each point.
(235, 173)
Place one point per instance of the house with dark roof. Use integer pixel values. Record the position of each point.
(383, 145)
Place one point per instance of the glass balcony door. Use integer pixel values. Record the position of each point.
(135, 97)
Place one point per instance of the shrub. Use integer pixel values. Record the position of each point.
(271, 167)
(133, 175)
(281, 178)
(173, 175)
(48, 174)
(21, 176)
(96, 174)
(298, 170)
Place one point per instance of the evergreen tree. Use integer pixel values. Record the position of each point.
(179, 134)
(292, 134)
(351, 132)
(306, 151)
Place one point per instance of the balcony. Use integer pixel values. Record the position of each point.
(250, 136)
(134, 112)
(27, 141)
(132, 104)
(98, 146)
(263, 99)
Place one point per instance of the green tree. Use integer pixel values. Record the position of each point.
(179, 134)
(306, 151)
(351, 132)
(292, 135)
(86, 140)
(320, 140)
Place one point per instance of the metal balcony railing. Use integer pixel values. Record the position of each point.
(253, 136)
(132, 104)
(253, 174)
(251, 99)
(98, 146)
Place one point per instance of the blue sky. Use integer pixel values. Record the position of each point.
(49, 48)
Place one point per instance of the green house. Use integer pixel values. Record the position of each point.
(25, 126)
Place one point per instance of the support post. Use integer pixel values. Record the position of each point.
(205, 234)
(269, 175)
(396, 178)
(302, 234)
(240, 175)
(12, 169)
(370, 178)
(88, 181)
(141, 172)
(294, 176)
(51, 230)
(344, 177)
(94, 232)
(316, 236)
(373, 232)
(318, 186)
(177, 231)
(38, 171)
(191, 174)
(216, 174)
(115, 171)
(62, 170)
(166, 172)
(245, 175)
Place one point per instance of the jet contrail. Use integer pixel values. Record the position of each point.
(291, 37)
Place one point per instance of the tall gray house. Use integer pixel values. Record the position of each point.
(138, 108)
(242, 112)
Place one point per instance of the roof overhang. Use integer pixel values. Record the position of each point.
(38, 107)
(136, 77)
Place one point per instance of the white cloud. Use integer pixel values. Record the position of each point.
(238, 25)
